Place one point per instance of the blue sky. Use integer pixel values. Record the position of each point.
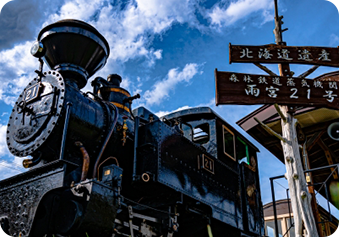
(166, 50)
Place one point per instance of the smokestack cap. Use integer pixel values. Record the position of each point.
(75, 49)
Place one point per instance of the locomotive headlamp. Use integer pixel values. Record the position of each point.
(38, 49)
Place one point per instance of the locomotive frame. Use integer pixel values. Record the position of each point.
(100, 169)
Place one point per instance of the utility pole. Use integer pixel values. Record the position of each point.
(300, 197)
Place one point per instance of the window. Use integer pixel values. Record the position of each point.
(229, 144)
(242, 152)
(187, 130)
(201, 133)
(270, 229)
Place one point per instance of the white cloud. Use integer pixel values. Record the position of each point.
(4, 114)
(137, 91)
(125, 83)
(225, 16)
(210, 103)
(76, 9)
(161, 14)
(334, 39)
(161, 89)
(3, 144)
(158, 54)
(130, 31)
(11, 166)
(135, 27)
(268, 16)
(19, 58)
(18, 162)
(8, 169)
(16, 62)
(163, 113)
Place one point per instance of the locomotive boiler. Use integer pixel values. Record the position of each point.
(97, 168)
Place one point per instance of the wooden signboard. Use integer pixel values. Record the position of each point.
(273, 53)
(249, 89)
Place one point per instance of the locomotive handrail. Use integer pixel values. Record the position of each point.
(136, 131)
(94, 95)
(63, 141)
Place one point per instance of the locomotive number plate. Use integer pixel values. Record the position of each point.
(32, 92)
(207, 163)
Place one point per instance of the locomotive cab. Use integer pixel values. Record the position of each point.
(197, 153)
(204, 127)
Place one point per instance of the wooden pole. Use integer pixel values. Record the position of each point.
(300, 197)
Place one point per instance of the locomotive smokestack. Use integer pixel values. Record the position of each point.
(75, 49)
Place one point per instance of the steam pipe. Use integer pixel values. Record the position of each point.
(96, 84)
(86, 161)
(107, 138)
(129, 101)
(130, 109)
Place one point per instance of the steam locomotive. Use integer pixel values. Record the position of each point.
(97, 168)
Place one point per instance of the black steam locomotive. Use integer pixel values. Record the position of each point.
(99, 169)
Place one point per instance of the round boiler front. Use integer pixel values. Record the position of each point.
(37, 120)
(35, 114)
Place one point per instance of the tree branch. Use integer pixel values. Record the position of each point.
(282, 116)
(269, 130)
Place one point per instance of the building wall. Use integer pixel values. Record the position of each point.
(330, 223)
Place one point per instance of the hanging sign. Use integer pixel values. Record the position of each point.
(272, 53)
(249, 89)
